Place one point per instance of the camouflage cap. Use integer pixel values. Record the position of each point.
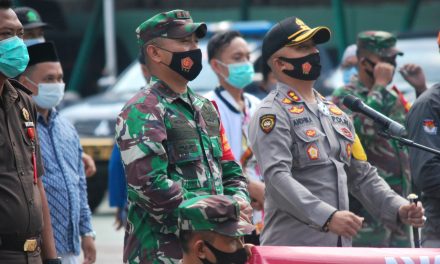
(379, 42)
(218, 213)
(29, 18)
(174, 24)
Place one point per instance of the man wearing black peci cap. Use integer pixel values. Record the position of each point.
(32, 24)
(309, 153)
(64, 177)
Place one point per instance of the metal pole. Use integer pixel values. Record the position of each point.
(244, 9)
(90, 37)
(410, 15)
(338, 12)
(110, 40)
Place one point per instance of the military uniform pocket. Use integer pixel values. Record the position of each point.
(308, 147)
(217, 151)
(184, 151)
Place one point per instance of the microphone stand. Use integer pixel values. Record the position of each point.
(409, 143)
(412, 197)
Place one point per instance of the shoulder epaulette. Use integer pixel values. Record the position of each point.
(18, 85)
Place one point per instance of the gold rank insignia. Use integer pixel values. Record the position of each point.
(25, 114)
(287, 101)
(335, 110)
(293, 96)
(267, 123)
(313, 152)
(348, 150)
(311, 133)
(297, 109)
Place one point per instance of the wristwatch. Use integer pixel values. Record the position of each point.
(325, 227)
(52, 261)
(91, 234)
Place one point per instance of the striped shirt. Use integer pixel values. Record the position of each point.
(64, 181)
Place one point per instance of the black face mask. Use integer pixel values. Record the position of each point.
(391, 61)
(187, 64)
(307, 68)
(237, 257)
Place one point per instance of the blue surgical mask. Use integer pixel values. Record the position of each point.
(33, 41)
(348, 73)
(49, 94)
(14, 57)
(240, 74)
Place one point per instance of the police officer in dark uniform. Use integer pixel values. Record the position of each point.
(23, 204)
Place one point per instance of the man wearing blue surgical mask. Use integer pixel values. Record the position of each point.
(229, 57)
(64, 178)
(25, 228)
(32, 24)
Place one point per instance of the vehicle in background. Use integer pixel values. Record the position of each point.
(95, 117)
(422, 51)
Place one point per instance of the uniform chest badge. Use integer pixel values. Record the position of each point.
(25, 114)
(348, 149)
(287, 101)
(267, 123)
(430, 127)
(311, 133)
(313, 152)
(187, 64)
(346, 132)
(293, 96)
(296, 109)
(335, 110)
(306, 67)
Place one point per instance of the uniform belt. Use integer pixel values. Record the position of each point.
(20, 243)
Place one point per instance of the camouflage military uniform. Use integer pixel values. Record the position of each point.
(391, 160)
(217, 213)
(171, 148)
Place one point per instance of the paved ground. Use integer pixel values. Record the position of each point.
(109, 242)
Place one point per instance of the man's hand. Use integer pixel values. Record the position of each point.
(89, 249)
(383, 73)
(245, 210)
(256, 192)
(414, 75)
(248, 248)
(345, 223)
(411, 214)
(120, 218)
(89, 165)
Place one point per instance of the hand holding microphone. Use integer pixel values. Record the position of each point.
(390, 126)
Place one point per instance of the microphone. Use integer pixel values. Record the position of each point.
(390, 126)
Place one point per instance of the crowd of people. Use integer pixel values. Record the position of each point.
(203, 179)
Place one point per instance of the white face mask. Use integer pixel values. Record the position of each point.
(33, 41)
(49, 94)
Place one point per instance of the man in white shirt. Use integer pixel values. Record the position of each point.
(229, 57)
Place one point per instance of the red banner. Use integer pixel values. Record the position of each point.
(328, 255)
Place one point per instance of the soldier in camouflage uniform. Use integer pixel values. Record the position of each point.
(172, 144)
(376, 65)
(210, 229)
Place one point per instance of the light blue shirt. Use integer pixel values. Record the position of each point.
(64, 182)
